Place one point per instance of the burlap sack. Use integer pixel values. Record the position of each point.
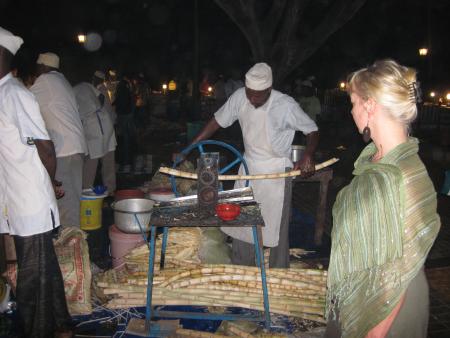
(73, 256)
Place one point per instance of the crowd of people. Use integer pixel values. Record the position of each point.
(53, 135)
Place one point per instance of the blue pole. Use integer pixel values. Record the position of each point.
(151, 264)
(260, 263)
(163, 247)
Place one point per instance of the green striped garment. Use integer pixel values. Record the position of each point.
(384, 224)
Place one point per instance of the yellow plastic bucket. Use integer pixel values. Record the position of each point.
(91, 206)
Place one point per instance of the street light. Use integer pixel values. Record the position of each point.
(423, 51)
(342, 85)
(81, 38)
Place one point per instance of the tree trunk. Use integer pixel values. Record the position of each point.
(277, 34)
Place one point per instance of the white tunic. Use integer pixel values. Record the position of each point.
(97, 123)
(27, 200)
(59, 110)
(268, 132)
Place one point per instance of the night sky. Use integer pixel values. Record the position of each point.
(156, 37)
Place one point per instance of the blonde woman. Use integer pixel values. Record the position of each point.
(385, 220)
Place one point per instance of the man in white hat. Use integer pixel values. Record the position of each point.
(268, 121)
(99, 131)
(28, 204)
(60, 112)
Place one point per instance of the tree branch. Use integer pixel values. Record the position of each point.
(339, 13)
(272, 20)
(242, 13)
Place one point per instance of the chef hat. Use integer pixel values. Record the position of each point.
(99, 74)
(10, 41)
(48, 59)
(259, 77)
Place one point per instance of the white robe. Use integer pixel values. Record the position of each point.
(97, 124)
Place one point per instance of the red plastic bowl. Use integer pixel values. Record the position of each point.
(228, 211)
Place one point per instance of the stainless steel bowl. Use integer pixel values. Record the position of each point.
(126, 211)
(297, 152)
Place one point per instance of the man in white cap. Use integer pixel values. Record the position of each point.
(60, 112)
(99, 132)
(268, 121)
(29, 211)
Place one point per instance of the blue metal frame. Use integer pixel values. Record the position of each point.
(149, 313)
(200, 145)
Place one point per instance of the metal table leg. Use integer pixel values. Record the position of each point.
(163, 247)
(257, 239)
(151, 264)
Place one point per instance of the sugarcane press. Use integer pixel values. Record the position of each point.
(198, 210)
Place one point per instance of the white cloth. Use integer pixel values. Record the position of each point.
(10, 41)
(59, 110)
(268, 132)
(97, 123)
(28, 204)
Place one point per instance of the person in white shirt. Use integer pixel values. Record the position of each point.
(28, 204)
(59, 110)
(268, 120)
(99, 133)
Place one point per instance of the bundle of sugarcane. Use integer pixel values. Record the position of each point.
(182, 250)
(293, 292)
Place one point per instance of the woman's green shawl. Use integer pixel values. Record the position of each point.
(384, 224)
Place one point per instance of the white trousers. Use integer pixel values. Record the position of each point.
(108, 171)
(69, 171)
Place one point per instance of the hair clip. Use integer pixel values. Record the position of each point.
(415, 92)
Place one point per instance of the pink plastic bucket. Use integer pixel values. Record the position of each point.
(128, 193)
(122, 243)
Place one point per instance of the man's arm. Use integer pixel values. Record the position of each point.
(208, 130)
(306, 163)
(46, 151)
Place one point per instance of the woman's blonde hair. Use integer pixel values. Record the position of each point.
(391, 85)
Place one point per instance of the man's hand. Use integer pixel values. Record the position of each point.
(59, 192)
(306, 165)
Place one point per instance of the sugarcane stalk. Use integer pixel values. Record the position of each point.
(184, 174)
(197, 334)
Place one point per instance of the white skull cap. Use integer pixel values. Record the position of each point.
(48, 59)
(259, 77)
(10, 41)
(99, 74)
